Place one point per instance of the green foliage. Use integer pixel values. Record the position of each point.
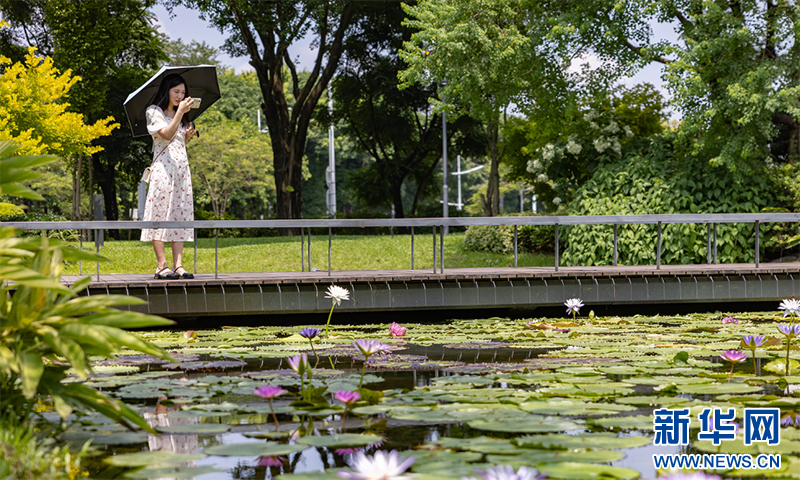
(24, 455)
(64, 235)
(500, 238)
(649, 179)
(192, 53)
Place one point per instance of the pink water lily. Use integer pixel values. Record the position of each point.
(272, 461)
(269, 391)
(347, 397)
(733, 356)
(729, 320)
(397, 330)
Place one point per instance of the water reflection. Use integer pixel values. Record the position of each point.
(171, 443)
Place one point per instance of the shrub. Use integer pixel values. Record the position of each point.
(649, 179)
(8, 209)
(500, 238)
(63, 235)
(25, 455)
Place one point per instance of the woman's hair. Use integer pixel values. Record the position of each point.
(162, 98)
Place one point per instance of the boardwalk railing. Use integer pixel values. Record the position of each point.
(711, 220)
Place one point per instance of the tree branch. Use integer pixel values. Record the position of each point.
(638, 51)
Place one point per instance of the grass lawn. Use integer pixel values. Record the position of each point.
(282, 254)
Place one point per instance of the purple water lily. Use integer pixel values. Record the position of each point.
(299, 363)
(790, 331)
(347, 397)
(368, 348)
(752, 342)
(272, 461)
(311, 334)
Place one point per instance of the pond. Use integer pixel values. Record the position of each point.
(572, 398)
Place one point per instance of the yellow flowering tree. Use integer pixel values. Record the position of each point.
(33, 115)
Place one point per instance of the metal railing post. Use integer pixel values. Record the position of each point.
(441, 249)
(615, 244)
(195, 251)
(556, 247)
(412, 248)
(658, 248)
(708, 243)
(308, 255)
(515, 246)
(80, 267)
(329, 251)
(216, 253)
(434, 249)
(758, 250)
(97, 244)
(715, 244)
(302, 250)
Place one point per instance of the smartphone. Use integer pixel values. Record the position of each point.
(196, 103)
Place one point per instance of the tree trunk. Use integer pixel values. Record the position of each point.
(107, 180)
(491, 206)
(76, 189)
(396, 187)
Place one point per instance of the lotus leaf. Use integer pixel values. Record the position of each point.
(273, 435)
(651, 400)
(719, 388)
(480, 444)
(541, 457)
(253, 449)
(195, 428)
(340, 440)
(779, 366)
(151, 459)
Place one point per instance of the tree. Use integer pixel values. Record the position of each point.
(230, 157)
(485, 55)
(265, 31)
(734, 72)
(193, 53)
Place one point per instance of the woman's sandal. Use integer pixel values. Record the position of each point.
(185, 275)
(170, 275)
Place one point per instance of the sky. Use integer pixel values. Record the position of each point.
(186, 25)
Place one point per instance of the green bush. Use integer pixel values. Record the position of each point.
(500, 238)
(63, 235)
(649, 179)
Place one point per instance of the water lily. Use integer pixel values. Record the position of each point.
(790, 307)
(752, 342)
(733, 356)
(299, 363)
(397, 330)
(269, 392)
(729, 320)
(347, 397)
(310, 334)
(790, 331)
(790, 419)
(271, 461)
(337, 294)
(368, 348)
(574, 306)
(505, 472)
(381, 466)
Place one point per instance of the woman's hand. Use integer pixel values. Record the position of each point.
(185, 105)
(191, 132)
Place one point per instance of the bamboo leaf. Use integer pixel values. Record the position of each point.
(31, 369)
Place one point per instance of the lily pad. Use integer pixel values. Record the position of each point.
(253, 449)
(151, 459)
(172, 472)
(578, 471)
(582, 442)
(531, 424)
(719, 388)
(635, 422)
(195, 428)
(340, 440)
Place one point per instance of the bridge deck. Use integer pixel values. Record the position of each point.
(456, 288)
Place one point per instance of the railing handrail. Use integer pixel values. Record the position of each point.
(712, 218)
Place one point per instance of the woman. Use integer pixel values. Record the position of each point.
(169, 197)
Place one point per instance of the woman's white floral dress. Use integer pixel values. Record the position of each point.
(169, 196)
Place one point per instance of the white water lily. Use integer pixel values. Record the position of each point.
(381, 466)
(790, 306)
(337, 294)
(574, 305)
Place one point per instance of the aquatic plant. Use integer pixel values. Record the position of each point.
(790, 307)
(790, 331)
(369, 348)
(272, 461)
(337, 294)
(348, 398)
(310, 334)
(574, 306)
(397, 330)
(269, 392)
(505, 472)
(752, 342)
(299, 363)
(381, 466)
(730, 320)
(733, 356)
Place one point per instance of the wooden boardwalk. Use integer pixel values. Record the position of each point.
(456, 288)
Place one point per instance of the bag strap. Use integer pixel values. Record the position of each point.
(165, 148)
